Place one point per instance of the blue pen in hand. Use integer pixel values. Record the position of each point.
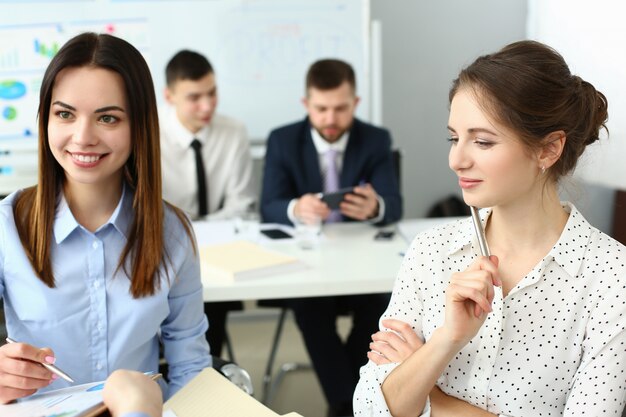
(50, 367)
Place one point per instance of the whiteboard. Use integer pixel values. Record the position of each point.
(591, 37)
(260, 50)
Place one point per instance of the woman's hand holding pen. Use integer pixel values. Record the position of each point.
(21, 373)
(468, 299)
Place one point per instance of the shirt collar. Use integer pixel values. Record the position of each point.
(570, 249)
(466, 234)
(181, 135)
(565, 252)
(65, 222)
(322, 146)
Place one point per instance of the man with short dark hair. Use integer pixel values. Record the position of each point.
(192, 93)
(207, 166)
(295, 165)
(300, 159)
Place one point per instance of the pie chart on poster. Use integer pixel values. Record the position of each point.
(9, 113)
(12, 90)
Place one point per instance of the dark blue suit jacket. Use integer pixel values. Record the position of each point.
(292, 168)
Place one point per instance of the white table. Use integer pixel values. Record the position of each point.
(347, 260)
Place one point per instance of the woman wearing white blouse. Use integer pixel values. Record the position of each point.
(539, 327)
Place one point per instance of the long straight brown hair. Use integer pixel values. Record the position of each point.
(35, 207)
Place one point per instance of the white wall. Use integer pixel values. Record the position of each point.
(425, 44)
(592, 43)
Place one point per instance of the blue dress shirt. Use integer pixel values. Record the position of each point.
(90, 319)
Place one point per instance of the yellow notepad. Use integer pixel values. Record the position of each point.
(242, 260)
(211, 394)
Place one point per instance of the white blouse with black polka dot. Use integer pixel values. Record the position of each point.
(555, 346)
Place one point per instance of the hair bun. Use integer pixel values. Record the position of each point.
(591, 140)
(595, 103)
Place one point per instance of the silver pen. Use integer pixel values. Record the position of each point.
(480, 233)
(50, 367)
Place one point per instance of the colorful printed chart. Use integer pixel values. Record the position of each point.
(66, 402)
(24, 59)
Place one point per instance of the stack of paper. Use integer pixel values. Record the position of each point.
(244, 260)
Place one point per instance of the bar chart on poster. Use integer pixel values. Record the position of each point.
(260, 50)
(25, 52)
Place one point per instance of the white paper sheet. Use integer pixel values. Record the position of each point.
(66, 402)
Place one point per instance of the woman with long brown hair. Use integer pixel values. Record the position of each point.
(93, 264)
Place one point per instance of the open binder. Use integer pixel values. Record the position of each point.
(211, 394)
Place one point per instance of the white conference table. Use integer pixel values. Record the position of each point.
(346, 260)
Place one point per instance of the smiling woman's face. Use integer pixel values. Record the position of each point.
(493, 166)
(88, 127)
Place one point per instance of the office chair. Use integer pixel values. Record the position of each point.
(233, 372)
(271, 384)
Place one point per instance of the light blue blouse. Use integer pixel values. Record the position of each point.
(90, 319)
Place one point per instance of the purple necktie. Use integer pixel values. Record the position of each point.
(331, 181)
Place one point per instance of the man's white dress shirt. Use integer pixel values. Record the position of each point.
(227, 163)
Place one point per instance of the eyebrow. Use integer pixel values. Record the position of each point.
(201, 93)
(476, 130)
(100, 110)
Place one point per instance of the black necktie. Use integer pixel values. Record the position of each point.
(203, 201)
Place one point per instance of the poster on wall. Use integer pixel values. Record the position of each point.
(260, 50)
(25, 52)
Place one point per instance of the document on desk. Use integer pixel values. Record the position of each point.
(211, 394)
(78, 401)
(242, 260)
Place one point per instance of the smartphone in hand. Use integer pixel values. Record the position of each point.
(335, 198)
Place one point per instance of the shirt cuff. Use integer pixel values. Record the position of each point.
(291, 211)
(381, 211)
(135, 414)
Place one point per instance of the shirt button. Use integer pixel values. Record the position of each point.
(100, 326)
(98, 366)
(96, 284)
(94, 245)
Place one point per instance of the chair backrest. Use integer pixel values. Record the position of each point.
(396, 157)
(450, 206)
